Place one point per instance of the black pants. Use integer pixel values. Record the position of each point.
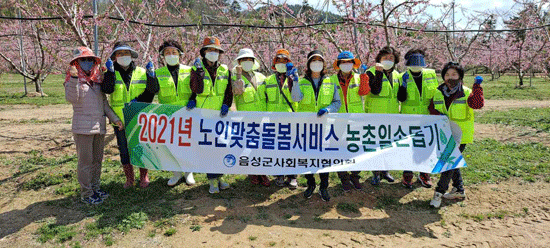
(447, 176)
(311, 180)
(346, 176)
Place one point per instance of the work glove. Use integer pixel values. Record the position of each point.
(478, 80)
(150, 69)
(197, 64)
(405, 79)
(109, 65)
(321, 112)
(191, 104)
(292, 72)
(134, 100)
(224, 110)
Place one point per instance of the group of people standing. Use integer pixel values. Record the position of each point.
(209, 84)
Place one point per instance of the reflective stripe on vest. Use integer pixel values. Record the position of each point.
(168, 94)
(459, 112)
(354, 100)
(311, 102)
(213, 92)
(250, 100)
(416, 103)
(275, 101)
(122, 94)
(386, 102)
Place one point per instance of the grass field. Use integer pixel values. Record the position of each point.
(489, 161)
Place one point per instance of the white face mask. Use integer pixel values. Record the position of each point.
(387, 64)
(316, 66)
(247, 65)
(124, 60)
(415, 68)
(172, 59)
(212, 56)
(347, 67)
(280, 67)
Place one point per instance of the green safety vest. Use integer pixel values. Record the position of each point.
(168, 94)
(123, 95)
(312, 103)
(250, 99)
(354, 100)
(386, 102)
(416, 103)
(459, 112)
(275, 101)
(214, 92)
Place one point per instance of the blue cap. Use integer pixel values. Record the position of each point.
(416, 59)
(345, 55)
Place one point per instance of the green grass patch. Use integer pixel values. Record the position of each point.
(171, 231)
(347, 207)
(43, 180)
(60, 233)
(195, 228)
(492, 161)
(12, 90)
(538, 118)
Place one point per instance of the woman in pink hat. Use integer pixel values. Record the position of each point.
(90, 106)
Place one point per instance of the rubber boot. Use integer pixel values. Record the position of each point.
(143, 178)
(129, 172)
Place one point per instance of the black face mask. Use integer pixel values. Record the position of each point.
(453, 88)
(452, 83)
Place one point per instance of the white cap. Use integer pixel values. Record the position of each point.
(247, 53)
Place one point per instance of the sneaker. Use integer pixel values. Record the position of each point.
(407, 180)
(454, 194)
(324, 195)
(265, 181)
(387, 176)
(375, 179)
(309, 192)
(175, 179)
(223, 185)
(425, 180)
(346, 186)
(189, 179)
(93, 200)
(280, 181)
(356, 184)
(293, 183)
(436, 201)
(214, 186)
(102, 194)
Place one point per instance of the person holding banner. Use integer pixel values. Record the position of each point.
(211, 84)
(350, 87)
(385, 93)
(421, 84)
(245, 92)
(126, 82)
(457, 102)
(276, 92)
(174, 88)
(90, 106)
(320, 95)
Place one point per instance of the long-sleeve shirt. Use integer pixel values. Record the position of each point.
(109, 78)
(197, 84)
(375, 83)
(475, 99)
(333, 107)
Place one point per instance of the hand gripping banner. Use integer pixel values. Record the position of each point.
(172, 138)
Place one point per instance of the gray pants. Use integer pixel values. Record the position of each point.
(89, 149)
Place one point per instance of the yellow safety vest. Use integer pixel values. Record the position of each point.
(250, 100)
(312, 103)
(459, 112)
(168, 94)
(416, 103)
(275, 101)
(214, 92)
(354, 100)
(123, 95)
(386, 102)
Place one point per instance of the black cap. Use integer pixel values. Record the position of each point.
(315, 53)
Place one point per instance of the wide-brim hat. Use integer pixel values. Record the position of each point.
(211, 42)
(84, 52)
(281, 53)
(247, 53)
(124, 47)
(346, 56)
